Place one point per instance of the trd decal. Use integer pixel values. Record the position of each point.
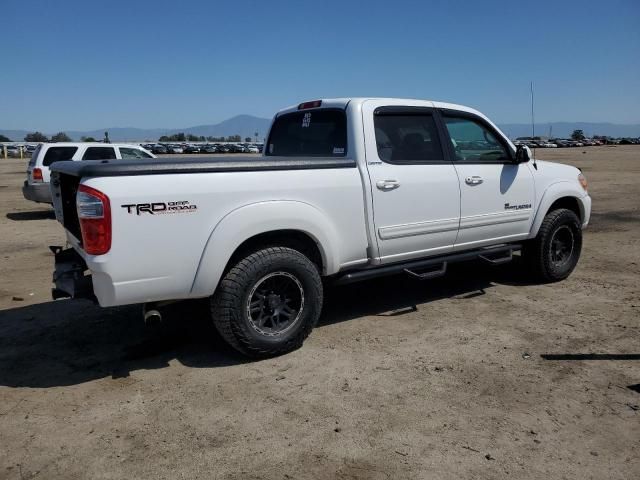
(160, 208)
(524, 206)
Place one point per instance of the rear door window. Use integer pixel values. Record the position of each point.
(407, 137)
(309, 133)
(99, 153)
(126, 153)
(57, 154)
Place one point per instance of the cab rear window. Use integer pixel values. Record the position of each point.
(309, 133)
(57, 154)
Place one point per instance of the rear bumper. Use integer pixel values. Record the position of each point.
(69, 276)
(37, 192)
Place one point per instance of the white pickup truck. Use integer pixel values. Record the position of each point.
(346, 190)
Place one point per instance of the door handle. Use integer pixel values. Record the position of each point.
(387, 184)
(474, 180)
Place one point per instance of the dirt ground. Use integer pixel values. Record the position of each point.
(448, 378)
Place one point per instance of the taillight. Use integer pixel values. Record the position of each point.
(37, 175)
(94, 213)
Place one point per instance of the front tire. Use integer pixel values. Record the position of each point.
(555, 251)
(268, 303)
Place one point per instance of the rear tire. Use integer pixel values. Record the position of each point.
(555, 251)
(268, 303)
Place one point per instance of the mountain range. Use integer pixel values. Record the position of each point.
(248, 125)
(243, 125)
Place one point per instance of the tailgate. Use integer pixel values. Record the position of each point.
(64, 188)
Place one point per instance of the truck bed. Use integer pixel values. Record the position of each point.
(209, 164)
(180, 254)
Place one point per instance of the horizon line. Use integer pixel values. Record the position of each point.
(269, 119)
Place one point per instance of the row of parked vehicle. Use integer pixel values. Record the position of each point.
(565, 143)
(179, 148)
(14, 150)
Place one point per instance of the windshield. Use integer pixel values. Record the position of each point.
(311, 133)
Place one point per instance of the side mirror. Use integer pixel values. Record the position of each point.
(522, 154)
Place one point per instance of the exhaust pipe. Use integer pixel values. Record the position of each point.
(151, 314)
(152, 317)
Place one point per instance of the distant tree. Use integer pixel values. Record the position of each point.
(247, 139)
(234, 138)
(88, 139)
(176, 137)
(4, 139)
(192, 138)
(201, 138)
(577, 135)
(61, 137)
(37, 137)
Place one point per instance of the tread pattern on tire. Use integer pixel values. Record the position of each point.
(535, 250)
(226, 303)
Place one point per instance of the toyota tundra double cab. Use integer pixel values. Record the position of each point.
(345, 190)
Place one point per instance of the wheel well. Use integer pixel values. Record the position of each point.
(570, 203)
(294, 239)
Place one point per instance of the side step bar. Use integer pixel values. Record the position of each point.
(496, 255)
(427, 275)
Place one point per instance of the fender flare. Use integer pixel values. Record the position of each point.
(254, 219)
(554, 192)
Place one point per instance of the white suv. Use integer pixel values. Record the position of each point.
(36, 186)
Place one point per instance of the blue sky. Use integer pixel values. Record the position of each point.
(84, 64)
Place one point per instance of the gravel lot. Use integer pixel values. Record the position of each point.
(442, 379)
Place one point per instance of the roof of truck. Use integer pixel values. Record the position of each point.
(343, 102)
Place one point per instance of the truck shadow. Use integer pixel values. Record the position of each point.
(71, 342)
(399, 294)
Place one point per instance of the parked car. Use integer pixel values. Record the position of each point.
(252, 149)
(36, 186)
(236, 148)
(224, 148)
(347, 190)
(209, 149)
(159, 149)
(191, 149)
(13, 151)
(175, 149)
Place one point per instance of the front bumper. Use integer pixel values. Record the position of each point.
(69, 276)
(37, 192)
